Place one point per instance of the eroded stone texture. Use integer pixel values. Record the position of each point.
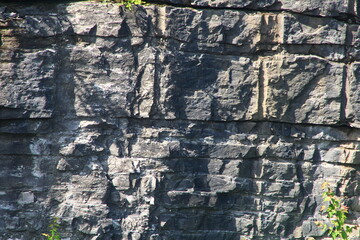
(302, 30)
(167, 122)
(240, 171)
(207, 87)
(211, 31)
(302, 89)
(352, 93)
(318, 7)
(26, 85)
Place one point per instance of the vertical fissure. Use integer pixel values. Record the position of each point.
(261, 89)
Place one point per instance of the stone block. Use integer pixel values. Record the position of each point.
(150, 149)
(26, 198)
(121, 182)
(230, 168)
(320, 7)
(16, 146)
(302, 89)
(84, 23)
(214, 31)
(27, 85)
(23, 126)
(235, 4)
(227, 151)
(219, 183)
(144, 99)
(352, 95)
(354, 42)
(225, 87)
(180, 199)
(308, 7)
(266, 169)
(193, 165)
(179, 182)
(103, 84)
(310, 30)
(46, 26)
(285, 189)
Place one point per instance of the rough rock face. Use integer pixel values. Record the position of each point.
(218, 121)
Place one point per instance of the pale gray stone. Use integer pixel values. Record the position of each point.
(321, 7)
(307, 89)
(26, 198)
(352, 108)
(305, 30)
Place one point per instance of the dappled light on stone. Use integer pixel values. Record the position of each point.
(182, 120)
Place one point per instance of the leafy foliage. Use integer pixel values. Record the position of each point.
(53, 232)
(336, 212)
(128, 3)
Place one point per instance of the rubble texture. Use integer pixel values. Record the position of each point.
(189, 120)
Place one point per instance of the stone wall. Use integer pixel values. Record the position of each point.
(195, 120)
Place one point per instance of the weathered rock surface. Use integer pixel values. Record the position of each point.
(311, 7)
(219, 121)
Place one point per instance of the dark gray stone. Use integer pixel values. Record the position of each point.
(196, 120)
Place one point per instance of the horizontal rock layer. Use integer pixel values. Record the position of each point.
(218, 121)
(310, 7)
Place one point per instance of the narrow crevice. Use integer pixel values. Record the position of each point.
(348, 18)
(154, 111)
(255, 53)
(343, 96)
(261, 93)
(265, 121)
(212, 121)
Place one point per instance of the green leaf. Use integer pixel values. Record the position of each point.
(336, 213)
(344, 235)
(325, 227)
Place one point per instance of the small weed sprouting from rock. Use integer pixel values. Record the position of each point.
(127, 3)
(335, 212)
(53, 232)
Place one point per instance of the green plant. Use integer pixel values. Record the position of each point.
(53, 232)
(127, 3)
(335, 211)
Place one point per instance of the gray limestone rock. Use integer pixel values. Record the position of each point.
(26, 85)
(352, 94)
(302, 89)
(304, 30)
(192, 119)
(310, 7)
(207, 87)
